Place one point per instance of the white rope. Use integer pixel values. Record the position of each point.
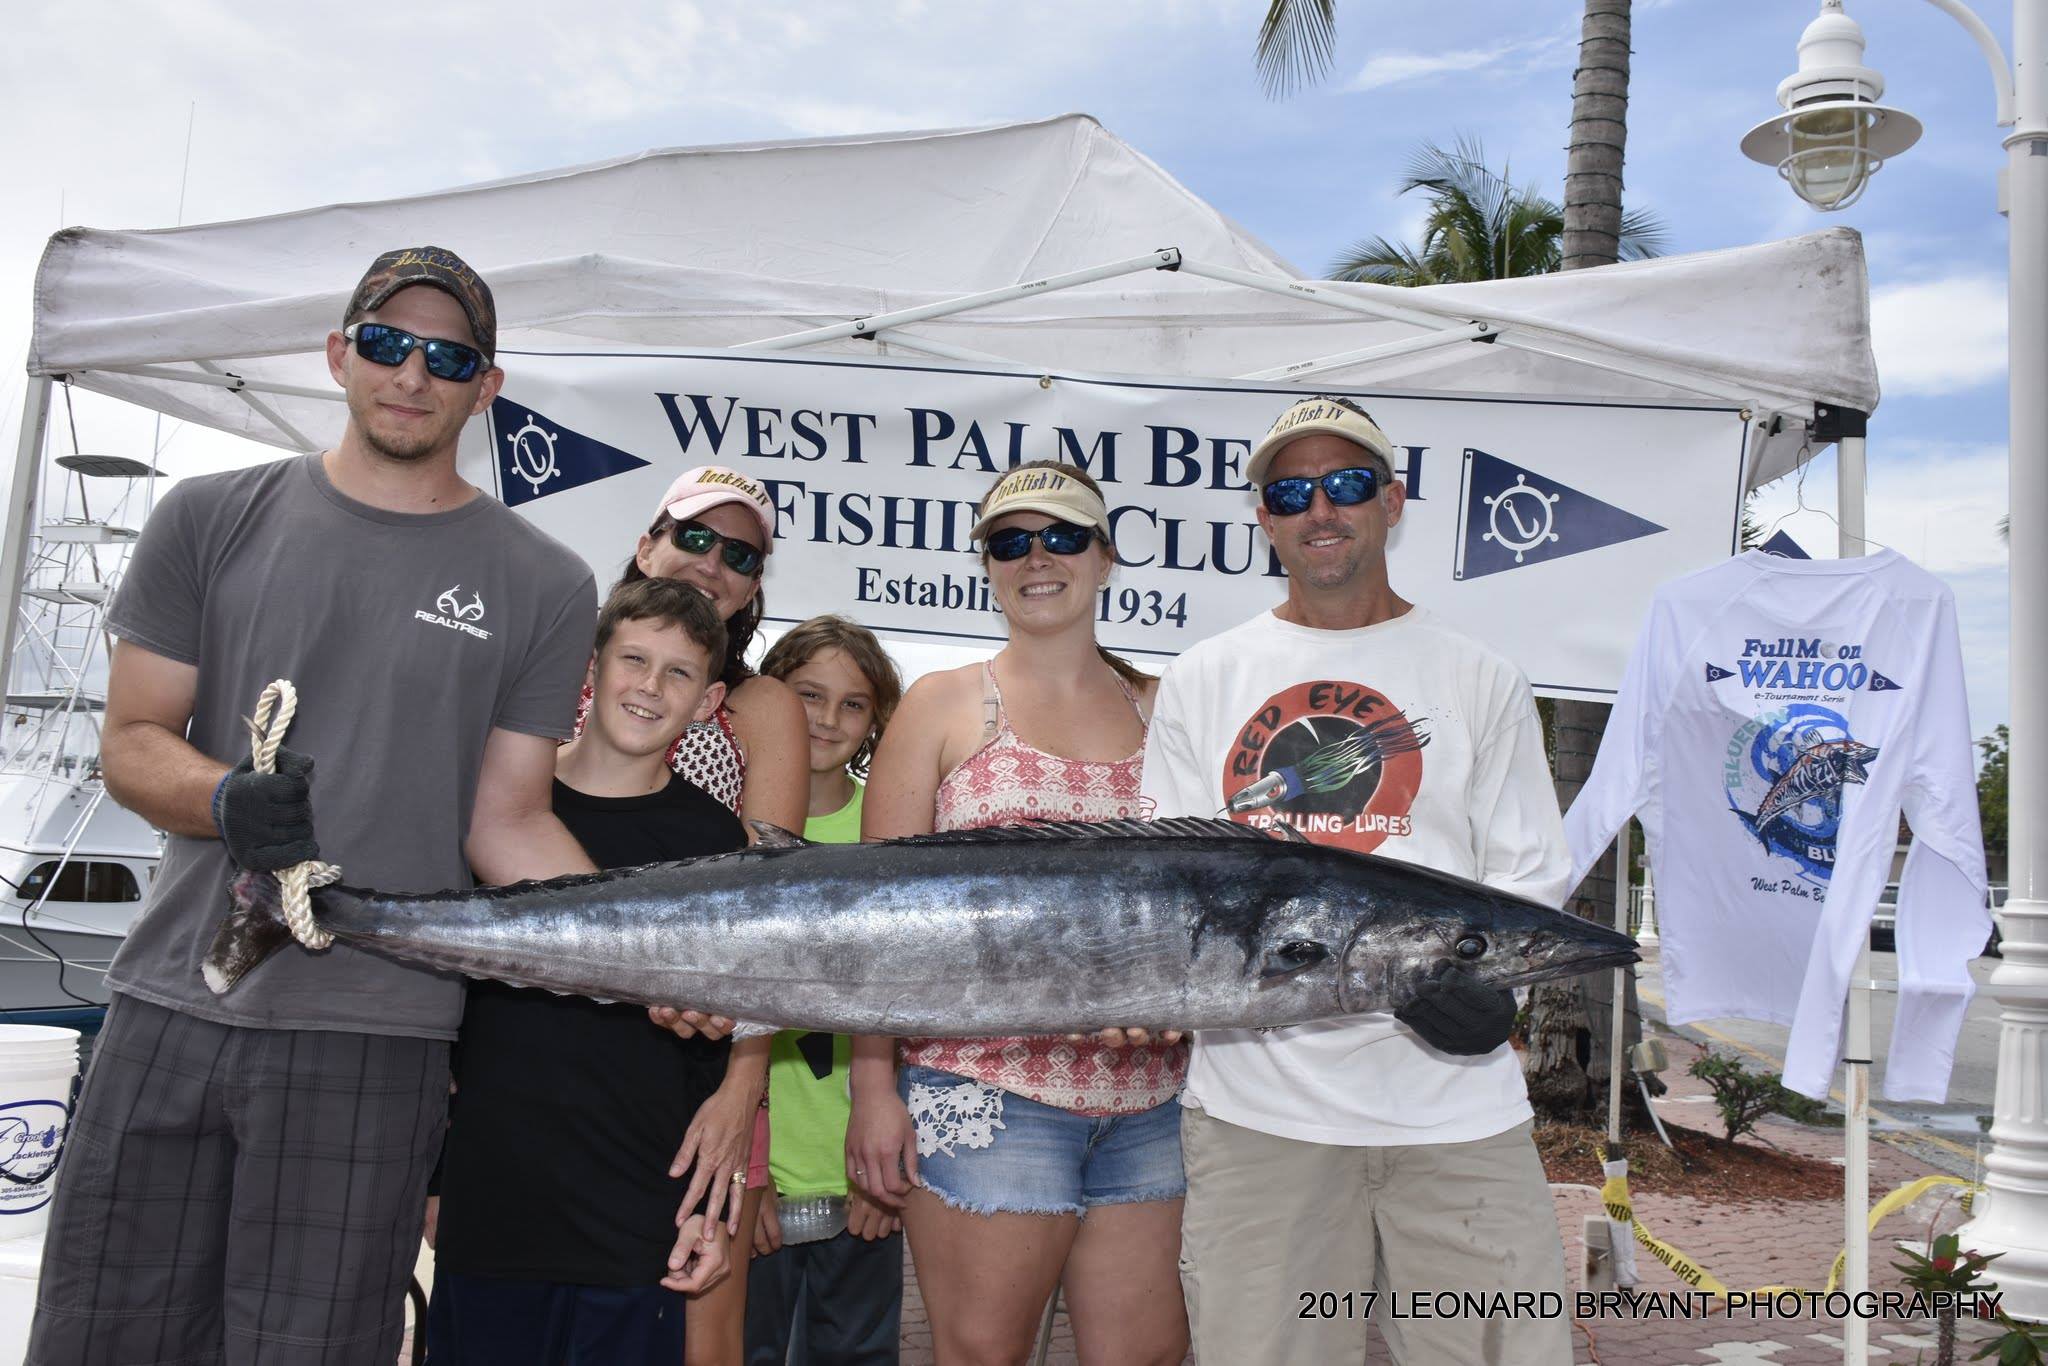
(299, 880)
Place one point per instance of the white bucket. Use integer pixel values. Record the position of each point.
(37, 1066)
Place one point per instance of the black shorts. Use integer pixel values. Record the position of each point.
(485, 1321)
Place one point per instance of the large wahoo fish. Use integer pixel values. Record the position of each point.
(1037, 929)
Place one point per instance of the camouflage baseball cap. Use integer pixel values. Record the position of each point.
(436, 266)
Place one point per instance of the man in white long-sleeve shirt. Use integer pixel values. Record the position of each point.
(1367, 1154)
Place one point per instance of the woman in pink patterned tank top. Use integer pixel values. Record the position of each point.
(1023, 1165)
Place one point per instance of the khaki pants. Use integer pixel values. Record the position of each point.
(1288, 1248)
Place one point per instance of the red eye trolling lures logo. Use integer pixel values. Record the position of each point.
(1335, 760)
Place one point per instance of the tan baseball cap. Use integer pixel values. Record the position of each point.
(1325, 415)
(1046, 490)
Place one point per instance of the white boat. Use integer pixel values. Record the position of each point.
(75, 867)
(77, 870)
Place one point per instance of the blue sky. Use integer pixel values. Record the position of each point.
(318, 103)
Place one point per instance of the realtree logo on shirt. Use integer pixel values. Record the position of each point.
(1335, 760)
(455, 614)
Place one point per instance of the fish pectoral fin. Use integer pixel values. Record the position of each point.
(1290, 960)
(768, 836)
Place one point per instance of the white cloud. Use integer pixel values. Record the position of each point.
(1939, 336)
(1396, 68)
(845, 118)
(1391, 68)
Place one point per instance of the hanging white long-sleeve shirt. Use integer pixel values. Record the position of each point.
(1775, 719)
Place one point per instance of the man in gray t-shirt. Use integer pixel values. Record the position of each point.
(247, 1172)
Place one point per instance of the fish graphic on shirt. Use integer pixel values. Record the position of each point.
(1332, 765)
(1820, 771)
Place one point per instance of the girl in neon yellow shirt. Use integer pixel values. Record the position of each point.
(818, 1246)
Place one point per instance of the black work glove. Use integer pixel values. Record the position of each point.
(1455, 1012)
(266, 819)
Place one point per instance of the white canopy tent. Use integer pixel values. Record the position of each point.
(727, 246)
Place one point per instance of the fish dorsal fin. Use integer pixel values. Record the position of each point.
(1178, 827)
(767, 836)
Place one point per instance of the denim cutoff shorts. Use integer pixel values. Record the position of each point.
(986, 1150)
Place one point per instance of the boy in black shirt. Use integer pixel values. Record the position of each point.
(559, 1237)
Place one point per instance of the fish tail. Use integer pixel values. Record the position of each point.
(252, 931)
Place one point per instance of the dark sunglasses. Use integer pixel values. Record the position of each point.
(1344, 488)
(694, 538)
(383, 345)
(1060, 538)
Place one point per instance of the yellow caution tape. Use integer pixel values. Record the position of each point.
(1894, 1202)
(1614, 1195)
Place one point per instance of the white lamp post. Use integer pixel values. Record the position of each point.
(1832, 136)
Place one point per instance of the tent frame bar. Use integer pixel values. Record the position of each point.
(1407, 346)
(218, 378)
(244, 389)
(1165, 258)
(263, 410)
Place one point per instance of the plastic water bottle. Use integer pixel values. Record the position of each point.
(811, 1218)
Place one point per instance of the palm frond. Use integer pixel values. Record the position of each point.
(1296, 45)
(1480, 225)
(1380, 262)
(1643, 235)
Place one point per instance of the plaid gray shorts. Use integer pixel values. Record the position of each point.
(239, 1195)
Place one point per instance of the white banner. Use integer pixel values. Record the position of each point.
(1540, 526)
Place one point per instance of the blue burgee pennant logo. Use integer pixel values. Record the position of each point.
(1509, 517)
(1715, 673)
(538, 456)
(1784, 547)
(1879, 683)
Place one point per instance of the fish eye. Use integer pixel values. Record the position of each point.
(1471, 947)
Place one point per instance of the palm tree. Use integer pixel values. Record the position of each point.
(1558, 1082)
(1481, 226)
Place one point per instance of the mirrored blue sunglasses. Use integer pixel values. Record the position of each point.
(1344, 488)
(1059, 538)
(383, 345)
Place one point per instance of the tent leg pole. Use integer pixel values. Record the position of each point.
(19, 529)
(1616, 1063)
(1849, 509)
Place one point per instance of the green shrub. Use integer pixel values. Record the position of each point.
(1744, 1097)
